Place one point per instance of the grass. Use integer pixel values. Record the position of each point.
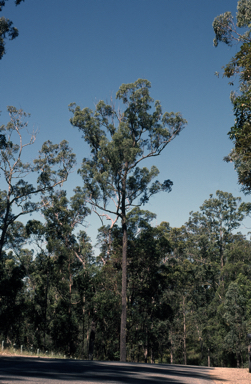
(11, 351)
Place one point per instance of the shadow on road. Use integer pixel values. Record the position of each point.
(42, 370)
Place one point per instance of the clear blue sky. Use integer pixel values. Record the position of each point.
(83, 50)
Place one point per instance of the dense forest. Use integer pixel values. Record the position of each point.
(188, 288)
(154, 293)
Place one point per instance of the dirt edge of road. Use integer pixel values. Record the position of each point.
(230, 375)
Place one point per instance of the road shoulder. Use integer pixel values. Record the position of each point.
(230, 375)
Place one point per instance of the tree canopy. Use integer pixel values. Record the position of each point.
(20, 196)
(119, 142)
(6, 28)
(228, 31)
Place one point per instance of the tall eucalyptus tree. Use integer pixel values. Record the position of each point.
(119, 142)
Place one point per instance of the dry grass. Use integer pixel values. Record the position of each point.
(13, 352)
(231, 375)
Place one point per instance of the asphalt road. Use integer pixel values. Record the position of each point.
(22, 370)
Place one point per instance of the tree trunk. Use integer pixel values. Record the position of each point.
(208, 357)
(4, 227)
(184, 323)
(152, 356)
(145, 353)
(171, 350)
(221, 256)
(238, 360)
(124, 262)
(4, 230)
(83, 328)
(146, 347)
(70, 341)
(87, 335)
(46, 297)
(91, 342)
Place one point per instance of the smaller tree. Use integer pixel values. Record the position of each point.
(234, 316)
(62, 270)
(52, 166)
(148, 309)
(219, 216)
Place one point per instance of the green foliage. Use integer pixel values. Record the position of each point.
(12, 274)
(240, 132)
(226, 31)
(60, 278)
(222, 28)
(206, 257)
(118, 149)
(6, 28)
(234, 311)
(21, 197)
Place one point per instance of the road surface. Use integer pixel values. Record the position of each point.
(22, 370)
